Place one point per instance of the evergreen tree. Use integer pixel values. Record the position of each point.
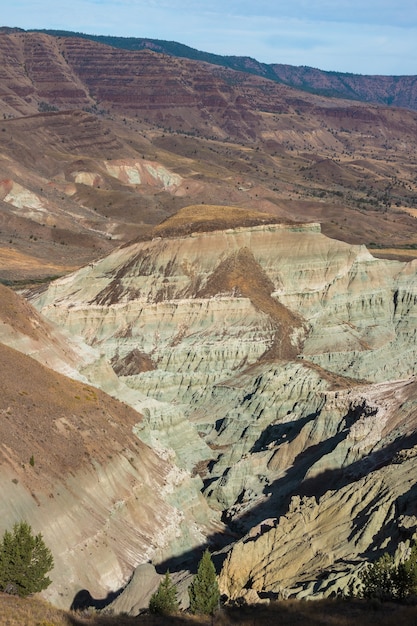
(164, 601)
(377, 578)
(24, 561)
(204, 590)
(405, 577)
(386, 581)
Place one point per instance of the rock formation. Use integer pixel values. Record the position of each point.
(99, 144)
(228, 374)
(72, 465)
(279, 365)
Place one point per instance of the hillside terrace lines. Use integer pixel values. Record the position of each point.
(146, 271)
(179, 290)
(286, 135)
(48, 72)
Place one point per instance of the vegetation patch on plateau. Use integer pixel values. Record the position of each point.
(207, 218)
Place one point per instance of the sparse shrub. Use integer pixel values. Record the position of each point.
(44, 107)
(164, 601)
(24, 561)
(204, 590)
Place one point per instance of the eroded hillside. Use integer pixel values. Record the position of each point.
(98, 144)
(291, 357)
(72, 465)
(212, 233)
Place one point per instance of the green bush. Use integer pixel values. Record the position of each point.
(204, 590)
(378, 579)
(384, 580)
(24, 561)
(405, 577)
(164, 601)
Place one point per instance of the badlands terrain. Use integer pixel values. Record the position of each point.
(211, 336)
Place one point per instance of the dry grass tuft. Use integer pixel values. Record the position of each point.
(30, 612)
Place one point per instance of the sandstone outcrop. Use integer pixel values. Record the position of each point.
(320, 544)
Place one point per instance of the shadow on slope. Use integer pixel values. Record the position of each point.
(84, 600)
(294, 483)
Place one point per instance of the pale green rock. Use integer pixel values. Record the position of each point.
(309, 387)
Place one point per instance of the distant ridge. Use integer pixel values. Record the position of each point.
(172, 48)
(388, 90)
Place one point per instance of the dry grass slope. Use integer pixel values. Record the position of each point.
(41, 410)
(16, 312)
(34, 612)
(207, 217)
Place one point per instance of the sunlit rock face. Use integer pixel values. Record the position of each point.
(221, 296)
(319, 545)
(278, 364)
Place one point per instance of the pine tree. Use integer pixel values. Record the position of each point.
(24, 561)
(164, 601)
(204, 590)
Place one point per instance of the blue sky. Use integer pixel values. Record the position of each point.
(359, 36)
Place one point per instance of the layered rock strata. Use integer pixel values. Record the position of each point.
(289, 357)
(73, 466)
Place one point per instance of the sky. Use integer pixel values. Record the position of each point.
(358, 36)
